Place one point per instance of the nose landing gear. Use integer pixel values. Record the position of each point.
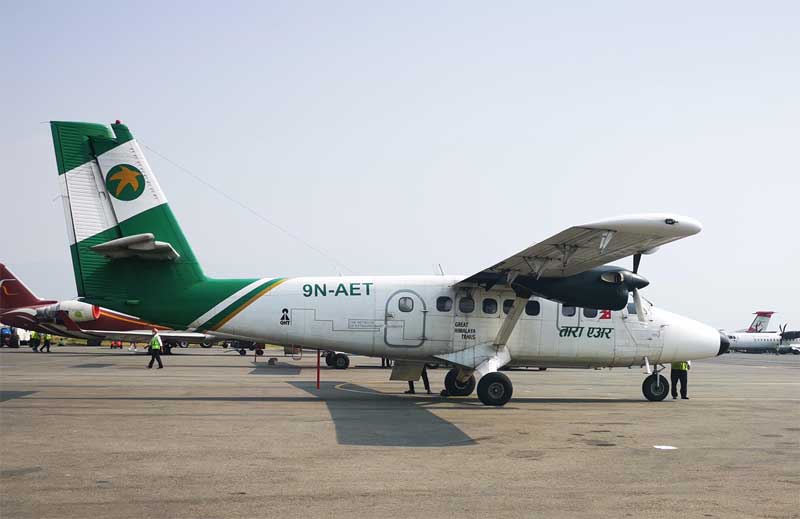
(655, 388)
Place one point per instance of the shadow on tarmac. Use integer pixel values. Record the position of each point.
(262, 368)
(363, 416)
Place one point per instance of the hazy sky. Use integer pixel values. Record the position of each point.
(399, 135)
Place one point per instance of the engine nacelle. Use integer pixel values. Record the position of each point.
(604, 288)
(77, 311)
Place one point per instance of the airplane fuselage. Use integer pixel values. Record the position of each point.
(425, 317)
(762, 342)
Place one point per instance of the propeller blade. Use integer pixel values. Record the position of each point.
(637, 258)
(637, 300)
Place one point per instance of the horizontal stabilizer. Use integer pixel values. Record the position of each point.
(142, 246)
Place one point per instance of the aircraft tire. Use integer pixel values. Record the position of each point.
(206, 344)
(259, 352)
(655, 392)
(341, 361)
(330, 359)
(455, 388)
(242, 352)
(495, 389)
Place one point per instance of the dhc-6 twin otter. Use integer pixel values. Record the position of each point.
(555, 304)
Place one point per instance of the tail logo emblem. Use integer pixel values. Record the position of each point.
(125, 182)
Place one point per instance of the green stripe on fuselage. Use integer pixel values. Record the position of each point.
(233, 308)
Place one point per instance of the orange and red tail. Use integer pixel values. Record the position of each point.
(14, 293)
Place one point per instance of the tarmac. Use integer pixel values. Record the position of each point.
(91, 433)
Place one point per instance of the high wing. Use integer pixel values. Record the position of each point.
(584, 247)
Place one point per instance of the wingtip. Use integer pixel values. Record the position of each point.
(662, 223)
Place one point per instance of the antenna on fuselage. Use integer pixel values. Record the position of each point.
(441, 270)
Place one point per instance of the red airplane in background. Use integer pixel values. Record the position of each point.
(20, 308)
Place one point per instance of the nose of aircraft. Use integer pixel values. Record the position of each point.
(687, 339)
(724, 344)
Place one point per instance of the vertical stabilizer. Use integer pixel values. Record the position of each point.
(14, 293)
(761, 322)
(128, 251)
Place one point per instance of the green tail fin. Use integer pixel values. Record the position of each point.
(128, 251)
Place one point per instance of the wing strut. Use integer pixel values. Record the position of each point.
(502, 356)
(489, 357)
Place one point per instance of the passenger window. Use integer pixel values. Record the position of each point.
(490, 306)
(466, 305)
(590, 312)
(444, 304)
(406, 304)
(532, 308)
(507, 305)
(568, 311)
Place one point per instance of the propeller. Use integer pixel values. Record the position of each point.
(782, 329)
(637, 299)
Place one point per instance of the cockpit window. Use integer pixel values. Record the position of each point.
(632, 308)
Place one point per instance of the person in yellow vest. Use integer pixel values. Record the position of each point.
(679, 372)
(33, 342)
(155, 350)
(47, 339)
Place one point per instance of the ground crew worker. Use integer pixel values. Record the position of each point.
(679, 372)
(155, 350)
(47, 339)
(425, 381)
(33, 342)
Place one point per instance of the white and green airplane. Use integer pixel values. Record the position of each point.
(554, 304)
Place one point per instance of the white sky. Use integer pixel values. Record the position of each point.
(399, 135)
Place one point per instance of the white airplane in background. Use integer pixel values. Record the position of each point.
(554, 304)
(756, 339)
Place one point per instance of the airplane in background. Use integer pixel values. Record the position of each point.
(756, 339)
(20, 308)
(555, 304)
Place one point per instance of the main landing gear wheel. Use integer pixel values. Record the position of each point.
(655, 388)
(495, 389)
(341, 361)
(330, 357)
(243, 352)
(456, 388)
